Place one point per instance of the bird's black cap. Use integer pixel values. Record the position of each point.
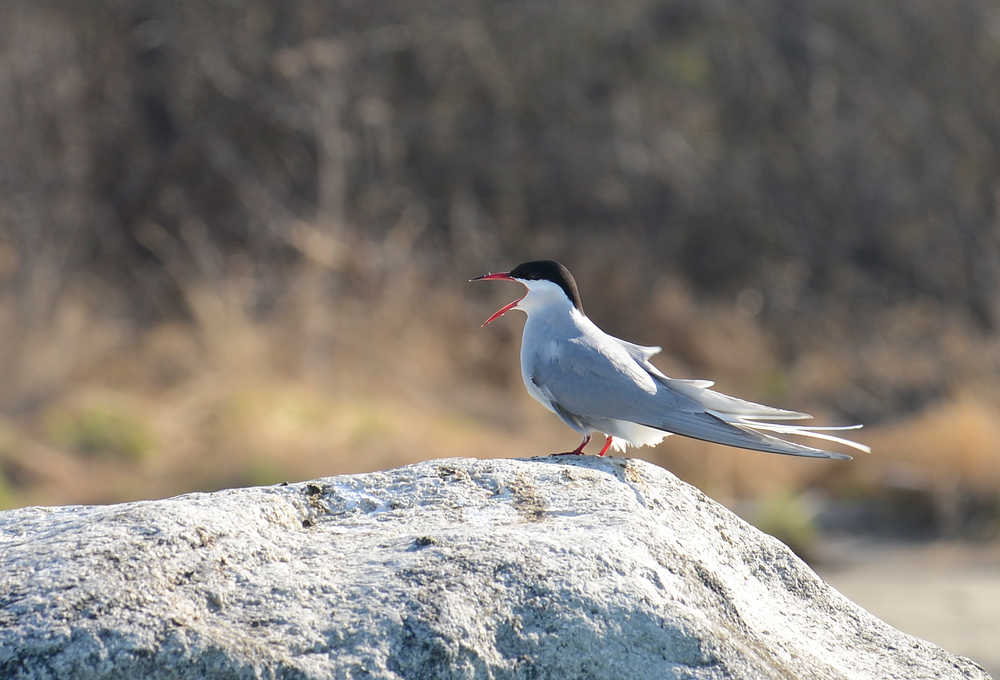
(549, 270)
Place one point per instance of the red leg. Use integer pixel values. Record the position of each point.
(578, 451)
(607, 445)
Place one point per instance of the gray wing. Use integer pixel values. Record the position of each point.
(605, 379)
(698, 389)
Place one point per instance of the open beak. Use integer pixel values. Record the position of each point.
(507, 307)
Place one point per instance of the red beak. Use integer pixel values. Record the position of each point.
(499, 275)
(507, 307)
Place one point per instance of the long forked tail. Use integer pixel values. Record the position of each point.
(737, 422)
(764, 429)
(814, 432)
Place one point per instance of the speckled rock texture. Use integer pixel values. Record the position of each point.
(558, 567)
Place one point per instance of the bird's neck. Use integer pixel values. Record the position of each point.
(554, 321)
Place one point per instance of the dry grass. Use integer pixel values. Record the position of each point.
(328, 383)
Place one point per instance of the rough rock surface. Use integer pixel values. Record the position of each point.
(544, 568)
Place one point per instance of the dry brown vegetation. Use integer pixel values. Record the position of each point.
(234, 240)
(326, 385)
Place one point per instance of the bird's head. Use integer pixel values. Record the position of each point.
(548, 283)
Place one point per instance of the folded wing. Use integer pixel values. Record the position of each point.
(602, 379)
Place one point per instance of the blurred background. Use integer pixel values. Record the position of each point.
(235, 238)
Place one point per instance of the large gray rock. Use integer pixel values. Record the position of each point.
(545, 568)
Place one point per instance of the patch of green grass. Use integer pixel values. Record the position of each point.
(6, 494)
(7, 442)
(104, 431)
(788, 518)
(261, 472)
(370, 424)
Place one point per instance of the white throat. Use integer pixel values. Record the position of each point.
(544, 296)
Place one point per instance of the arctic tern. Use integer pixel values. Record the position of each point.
(595, 382)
